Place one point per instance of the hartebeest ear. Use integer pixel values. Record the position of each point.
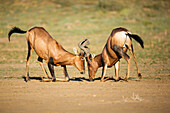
(75, 51)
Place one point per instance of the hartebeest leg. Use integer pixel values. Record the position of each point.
(65, 73)
(103, 73)
(42, 66)
(119, 51)
(28, 59)
(117, 66)
(128, 69)
(134, 57)
(51, 68)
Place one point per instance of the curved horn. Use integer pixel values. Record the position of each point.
(83, 47)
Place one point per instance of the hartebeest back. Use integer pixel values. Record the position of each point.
(50, 50)
(116, 47)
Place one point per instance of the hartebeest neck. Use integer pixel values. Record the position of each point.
(98, 60)
(69, 58)
(95, 62)
(63, 57)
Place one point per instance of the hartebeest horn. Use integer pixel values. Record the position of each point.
(83, 47)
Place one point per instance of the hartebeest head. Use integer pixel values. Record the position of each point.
(79, 60)
(92, 62)
(92, 65)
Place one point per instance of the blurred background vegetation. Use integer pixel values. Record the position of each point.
(68, 21)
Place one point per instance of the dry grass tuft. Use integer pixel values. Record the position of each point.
(133, 98)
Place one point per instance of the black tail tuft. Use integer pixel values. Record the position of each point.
(137, 38)
(15, 30)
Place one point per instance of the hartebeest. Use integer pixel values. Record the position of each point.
(50, 50)
(119, 41)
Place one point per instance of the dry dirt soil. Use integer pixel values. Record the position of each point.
(81, 96)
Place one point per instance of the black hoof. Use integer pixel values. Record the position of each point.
(54, 80)
(125, 79)
(140, 76)
(91, 80)
(117, 80)
(26, 79)
(102, 80)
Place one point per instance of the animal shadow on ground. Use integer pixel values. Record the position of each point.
(71, 79)
(32, 78)
(81, 79)
(120, 79)
(98, 79)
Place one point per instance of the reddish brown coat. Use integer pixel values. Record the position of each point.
(120, 38)
(50, 50)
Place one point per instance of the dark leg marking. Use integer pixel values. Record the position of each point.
(51, 68)
(119, 51)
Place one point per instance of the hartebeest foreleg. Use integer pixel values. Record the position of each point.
(51, 69)
(65, 73)
(103, 73)
(117, 66)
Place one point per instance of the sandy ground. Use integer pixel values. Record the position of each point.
(81, 96)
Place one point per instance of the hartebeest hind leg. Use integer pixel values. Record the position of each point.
(134, 57)
(30, 49)
(128, 68)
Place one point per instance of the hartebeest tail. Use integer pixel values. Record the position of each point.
(137, 38)
(51, 51)
(15, 30)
